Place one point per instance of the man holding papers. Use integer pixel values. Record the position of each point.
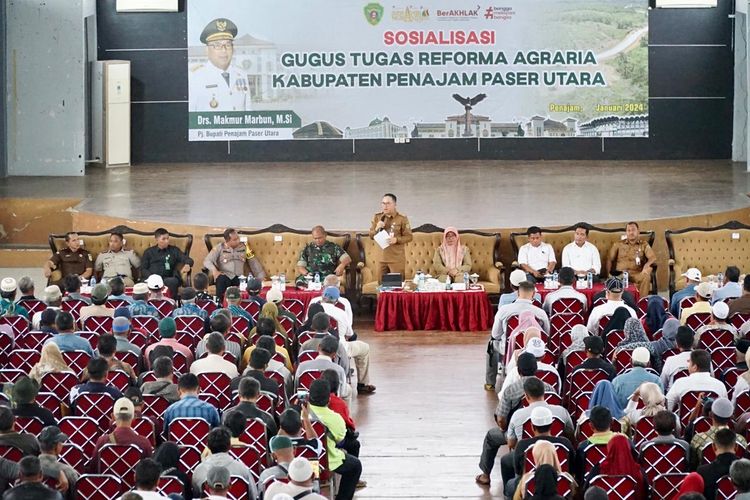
(391, 231)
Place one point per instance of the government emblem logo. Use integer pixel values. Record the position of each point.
(374, 13)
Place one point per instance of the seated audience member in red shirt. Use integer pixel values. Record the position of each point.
(123, 414)
(350, 443)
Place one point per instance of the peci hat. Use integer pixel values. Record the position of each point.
(187, 293)
(24, 390)
(9, 285)
(704, 290)
(280, 443)
(120, 325)
(254, 285)
(720, 310)
(99, 292)
(693, 274)
(332, 293)
(722, 408)
(541, 416)
(274, 295)
(140, 289)
(641, 355)
(614, 285)
(233, 293)
(167, 327)
(300, 470)
(155, 282)
(536, 347)
(124, 408)
(517, 277)
(218, 478)
(52, 435)
(52, 293)
(594, 344)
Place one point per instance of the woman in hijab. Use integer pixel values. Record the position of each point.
(51, 361)
(577, 334)
(168, 456)
(653, 400)
(526, 320)
(693, 483)
(616, 321)
(544, 453)
(451, 257)
(545, 484)
(604, 395)
(666, 342)
(269, 310)
(511, 370)
(619, 462)
(635, 336)
(655, 316)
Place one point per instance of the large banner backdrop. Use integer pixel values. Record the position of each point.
(348, 69)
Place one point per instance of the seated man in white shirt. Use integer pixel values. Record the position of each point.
(581, 255)
(536, 257)
(567, 277)
(496, 348)
(335, 281)
(719, 314)
(700, 379)
(684, 340)
(214, 361)
(614, 300)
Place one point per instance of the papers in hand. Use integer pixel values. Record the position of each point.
(381, 238)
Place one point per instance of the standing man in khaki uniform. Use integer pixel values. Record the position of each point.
(226, 262)
(117, 261)
(393, 257)
(70, 260)
(635, 256)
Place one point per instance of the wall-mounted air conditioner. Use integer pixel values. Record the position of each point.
(686, 4)
(147, 6)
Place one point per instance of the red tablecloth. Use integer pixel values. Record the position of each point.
(588, 292)
(452, 311)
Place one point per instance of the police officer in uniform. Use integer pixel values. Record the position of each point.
(70, 260)
(226, 261)
(117, 261)
(635, 256)
(217, 85)
(393, 257)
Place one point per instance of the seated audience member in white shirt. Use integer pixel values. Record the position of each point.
(582, 255)
(567, 277)
(699, 380)
(335, 281)
(731, 288)
(536, 257)
(614, 300)
(214, 361)
(673, 364)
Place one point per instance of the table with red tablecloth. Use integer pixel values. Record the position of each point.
(588, 292)
(447, 310)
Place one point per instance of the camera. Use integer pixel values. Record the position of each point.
(303, 396)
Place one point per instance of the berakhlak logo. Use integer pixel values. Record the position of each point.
(374, 13)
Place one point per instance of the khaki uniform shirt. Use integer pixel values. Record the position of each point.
(230, 261)
(631, 257)
(112, 264)
(69, 262)
(401, 230)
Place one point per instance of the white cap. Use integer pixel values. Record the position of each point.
(704, 290)
(300, 469)
(641, 355)
(535, 346)
(155, 282)
(541, 416)
(274, 295)
(8, 285)
(52, 293)
(517, 277)
(720, 310)
(693, 274)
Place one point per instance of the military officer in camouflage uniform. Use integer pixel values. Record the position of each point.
(116, 261)
(70, 260)
(226, 261)
(392, 258)
(322, 257)
(218, 85)
(635, 256)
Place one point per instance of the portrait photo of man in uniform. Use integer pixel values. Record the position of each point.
(219, 84)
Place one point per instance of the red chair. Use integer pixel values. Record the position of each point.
(11, 453)
(29, 425)
(551, 398)
(708, 453)
(207, 305)
(217, 384)
(564, 485)
(701, 424)
(150, 376)
(240, 325)
(164, 306)
(188, 431)
(669, 354)
(19, 324)
(562, 455)
(725, 489)
(32, 340)
(593, 454)
(681, 373)
(98, 324)
(23, 359)
(663, 458)
(73, 307)
(192, 324)
(582, 381)
(139, 339)
(622, 359)
(50, 401)
(643, 304)
(74, 456)
(287, 324)
(60, 384)
(10, 375)
(251, 307)
(306, 356)
(120, 461)
(715, 338)
(296, 307)
(567, 306)
(666, 486)
(187, 339)
(305, 336)
(128, 357)
(617, 487)
(739, 319)
(687, 302)
(255, 435)
(190, 458)
(551, 378)
(603, 321)
(154, 406)
(76, 360)
(265, 402)
(574, 359)
(118, 379)
(33, 306)
(644, 431)
(306, 378)
(722, 358)
(611, 340)
(559, 330)
(557, 429)
(687, 403)
(730, 377)
(251, 457)
(697, 320)
(97, 406)
(238, 488)
(115, 303)
(742, 404)
(170, 485)
(147, 324)
(99, 487)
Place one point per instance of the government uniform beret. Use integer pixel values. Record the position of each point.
(219, 29)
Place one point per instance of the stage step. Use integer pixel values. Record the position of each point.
(23, 255)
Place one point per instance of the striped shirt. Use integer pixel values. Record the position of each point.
(191, 407)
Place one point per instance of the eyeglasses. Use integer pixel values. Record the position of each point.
(221, 45)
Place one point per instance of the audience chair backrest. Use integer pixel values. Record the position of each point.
(725, 489)
(617, 487)
(663, 458)
(99, 486)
